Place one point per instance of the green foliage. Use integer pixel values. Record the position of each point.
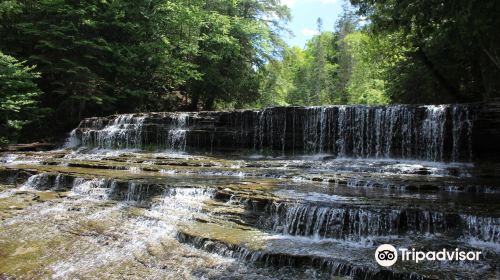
(346, 24)
(239, 37)
(366, 85)
(18, 93)
(320, 69)
(345, 67)
(99, 57)
(301, 77)
(452, 47)
(408, 51)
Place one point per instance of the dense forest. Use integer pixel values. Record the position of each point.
(62, 60)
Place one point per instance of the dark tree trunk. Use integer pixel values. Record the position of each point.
(450, 89)
(209, 104)
(193, 105)
(479, 89)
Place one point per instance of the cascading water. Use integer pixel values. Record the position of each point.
(176, 139)
(390, 132)
(95, 188)
(357, 224)
(432, 135)
(36, 182)
(435, 133)
(124, 131)
(270, 130)
(73, 141)
(311, 194)
(132, 132)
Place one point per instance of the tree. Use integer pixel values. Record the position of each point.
(278, 80)
(239, 38)
(367, 82)
(100, 57)
(301, 77)
(454, 42)
(18, 93)
(346, 25)
(318, 66)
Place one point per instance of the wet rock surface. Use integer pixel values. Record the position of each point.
(436, 133)
(136, 215)
(281, 193)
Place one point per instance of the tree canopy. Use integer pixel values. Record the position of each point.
(63, 60)
(99, 57)
(18, 97)
(389, 51)
(452, 46)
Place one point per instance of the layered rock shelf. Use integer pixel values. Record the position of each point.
(437, 133)
(280, 193)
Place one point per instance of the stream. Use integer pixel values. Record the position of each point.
(279, 193)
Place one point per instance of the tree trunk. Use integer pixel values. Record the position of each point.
(450, 89)
(193, 105)
(209, 104)
(479, 89)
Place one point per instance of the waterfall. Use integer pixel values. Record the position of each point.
(72, 141)
(357, 223)
(462, 133)
(37, 181)
(124, 131)
(270, 130)
(176, 139)
(430, 132)
(98, 188)
(137, 192)
(482, 228)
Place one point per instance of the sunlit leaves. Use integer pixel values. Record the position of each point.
(18, 93)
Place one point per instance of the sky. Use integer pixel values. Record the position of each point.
(304, 16)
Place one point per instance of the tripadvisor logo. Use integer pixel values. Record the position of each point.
(386, 255)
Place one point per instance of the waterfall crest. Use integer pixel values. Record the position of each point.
(431, 132)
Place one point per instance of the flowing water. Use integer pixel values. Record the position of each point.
(281, 193)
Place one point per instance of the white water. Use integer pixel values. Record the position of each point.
(434, 133)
